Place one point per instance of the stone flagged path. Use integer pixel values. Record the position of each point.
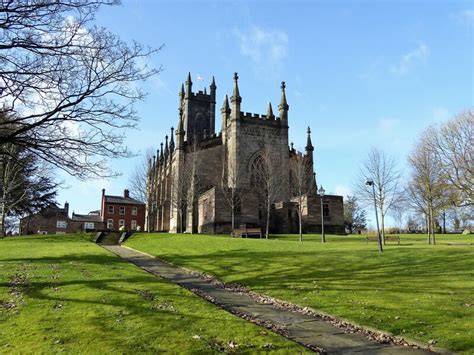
(305, 329)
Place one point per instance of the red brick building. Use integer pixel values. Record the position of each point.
(117, 211)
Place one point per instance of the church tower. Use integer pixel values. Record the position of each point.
(199, 110)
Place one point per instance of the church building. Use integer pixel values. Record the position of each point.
(204, 181)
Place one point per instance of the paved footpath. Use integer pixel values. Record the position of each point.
(304, 329)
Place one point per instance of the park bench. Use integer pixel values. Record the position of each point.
(392, 238)
(246, 232)
(388, 238)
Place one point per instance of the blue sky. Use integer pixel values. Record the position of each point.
(359, 73)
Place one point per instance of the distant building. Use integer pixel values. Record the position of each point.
(51, 220)
(88, 222)
(117, 211)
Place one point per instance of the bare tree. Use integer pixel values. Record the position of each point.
(301, 185)
(232, 194)
(453, 146)
(71, 86)
(382, 170)
(187, 186)
(139, 176)
(267, 181)
(427, 188)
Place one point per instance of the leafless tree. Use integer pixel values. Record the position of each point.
(382, 170)
(301, 185)
(453, 146)
(232, 195)
(137, 180)
(267, 181)
(187, 186)
(71, 86)
(427, 189)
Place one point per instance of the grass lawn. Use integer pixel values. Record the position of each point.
(415, 290)
(65, 294)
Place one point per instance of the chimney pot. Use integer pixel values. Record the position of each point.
(126, 193)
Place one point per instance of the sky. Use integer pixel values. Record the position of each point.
(361, 74)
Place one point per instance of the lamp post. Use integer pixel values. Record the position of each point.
(321, 194)
(370, 182)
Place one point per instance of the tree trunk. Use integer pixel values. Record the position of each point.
(3, 211)
(382, 226)
(268, 220)
(233, 217)
(300, 220)
(432, 225)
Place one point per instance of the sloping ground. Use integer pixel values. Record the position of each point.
(413, 290)
(65, 294)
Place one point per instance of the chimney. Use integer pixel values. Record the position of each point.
(126, 193)
(103, 192)
(66, 208)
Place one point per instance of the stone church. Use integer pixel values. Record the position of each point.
(216, 162)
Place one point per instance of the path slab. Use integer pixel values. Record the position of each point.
(304, 329)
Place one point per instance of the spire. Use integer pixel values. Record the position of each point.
(309, 144)
(283, 104)
(166, 144)
(236, 94)
(270, 111)
(161, 151)
(189, 84)
(181, 93)
(225, 105)
(212, 88)
(172, 139)
(180, 121)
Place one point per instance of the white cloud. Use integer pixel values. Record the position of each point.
(411, 59)
(266, 48)
(464, 17)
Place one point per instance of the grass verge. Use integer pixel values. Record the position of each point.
(414, 290)
(64, 294)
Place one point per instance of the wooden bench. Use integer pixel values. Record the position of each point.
(388, 238)
(392, 238)
(246, 232)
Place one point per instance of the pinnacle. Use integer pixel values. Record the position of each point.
(269, 110)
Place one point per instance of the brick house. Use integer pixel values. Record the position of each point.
(117, 211)
(90, 222)
(51, 220)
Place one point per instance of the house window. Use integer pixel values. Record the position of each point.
(134, 224)
(325, 209)
(88, 225)
(122, 210)
(134, 211)
(110, 224)
(121, 222)
(111, 209)
(61, 224)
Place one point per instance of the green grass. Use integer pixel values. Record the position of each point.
(65, 294)
(415, 290)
